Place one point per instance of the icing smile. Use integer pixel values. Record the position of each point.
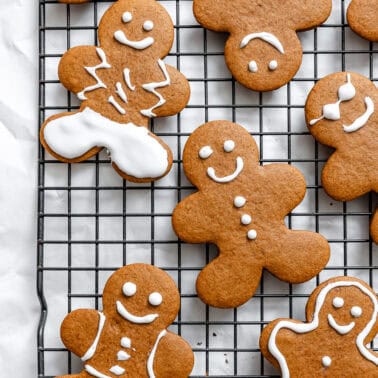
(121, 309)
(341, 329)
(120, 36)
(239, 168)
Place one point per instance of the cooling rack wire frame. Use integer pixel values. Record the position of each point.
(90, 222)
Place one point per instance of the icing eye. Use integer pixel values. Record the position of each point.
(148, 25)
(229, 145)
(273, 65)
(356, 311)
(155, 299)
(129, 289)
(252, 66)
(338, 302)
(127, 17)
(205, 152)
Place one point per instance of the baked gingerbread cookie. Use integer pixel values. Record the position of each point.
(341, 112)
(122, 85)
(263, 51)
(363, 18)
(129, 338)
(240, 206)
(341, 320)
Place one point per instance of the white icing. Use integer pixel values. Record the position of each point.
(92, 72)
(361, 121)
(356, 311)
(246, 219)
(273, 65)
(155, 299)
(127, 17)
(267, 37)
(341, 329)
(133, 318)
(226, 179)
(326, 361)
(92, 349)
(151, 357)
(151, 87)
(229, 146)
(126, 76)
(332, 111)
(308, 327)
(125, 342)
(123, 356)
(95, 373)
(117, 370)
(118, 107)
(132, 148)
(338, 302)
(252, 234)
(205, 152)
(120, 37)
(121, 93)
(148, 25)
(239, 201)
(252, 66)
(129, 289)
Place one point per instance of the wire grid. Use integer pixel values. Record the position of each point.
(225, 342)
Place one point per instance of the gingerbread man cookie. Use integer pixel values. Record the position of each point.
(341, 112)
(129, 338)
(240, 207)
(341, 321)
(263, 51)
(363, 18)
(122, 85)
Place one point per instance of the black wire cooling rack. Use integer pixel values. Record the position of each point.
(73, 197)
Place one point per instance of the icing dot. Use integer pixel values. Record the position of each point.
(155, 299)
(338, 302)
(148, 25)
(122, 355)
(125, 342)
(239, 201)
(127, 17)
(117, 370)
(356, 311)
(229, 145)
(246, 219)
(252, 234)
(129, 289)
(205, 152)
(273, 65)
(252, 66)
(326, 361)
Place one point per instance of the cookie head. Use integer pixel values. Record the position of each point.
(142, 295)
(219, 153)
(135, 27)
(264, 59)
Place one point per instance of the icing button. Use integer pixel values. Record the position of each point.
(252, 234)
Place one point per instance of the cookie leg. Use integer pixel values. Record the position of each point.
(297, 256)
(229, 281)
(374, 227)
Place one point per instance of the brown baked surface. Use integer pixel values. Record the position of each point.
(363, 18)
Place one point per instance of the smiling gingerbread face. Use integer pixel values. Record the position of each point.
(129, 296)
(137, 27)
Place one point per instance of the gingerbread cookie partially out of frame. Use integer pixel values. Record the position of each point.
(341, 320)
(342, 112)
(130, 337)
(240, 206)
(263, 51)
(122, 85)
(363, 18)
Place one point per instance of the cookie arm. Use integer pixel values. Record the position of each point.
(79, 330)
(176, 95)
(174, 357)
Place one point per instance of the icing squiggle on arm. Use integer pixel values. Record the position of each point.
(92, 72)
(92, 349)
(150, 361)
(126, 75)
(151, 87)
(361, 121)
